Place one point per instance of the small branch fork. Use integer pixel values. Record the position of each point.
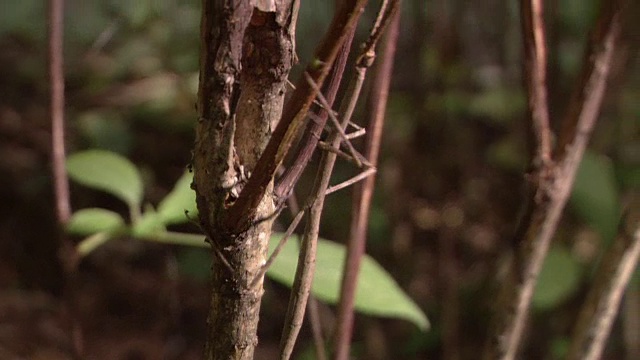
(553, 171)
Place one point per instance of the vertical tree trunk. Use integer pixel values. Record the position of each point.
(246, 55)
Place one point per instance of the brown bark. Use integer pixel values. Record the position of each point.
(246, 57)
(294, 114)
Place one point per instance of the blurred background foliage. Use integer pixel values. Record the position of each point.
(449, 183)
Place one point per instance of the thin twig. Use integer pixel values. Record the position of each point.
(363, 194)
(283, 241)
(630, 321)
(306, 261)
(56, 72)
(362, 163)
(314, 128)
(535, 73)
(552, 185)
(361, 176)
(316, 328)
(68, 254)
(313, 307)
(356, 134)
(336, 124)
(603, 301)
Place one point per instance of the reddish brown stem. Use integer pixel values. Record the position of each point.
(56, 73)
(363, 193)
(535, 73)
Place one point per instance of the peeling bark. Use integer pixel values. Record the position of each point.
(246, 55)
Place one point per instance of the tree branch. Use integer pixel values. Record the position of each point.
(306, 261)
(600, 309)
(535, 73)
(551, 185)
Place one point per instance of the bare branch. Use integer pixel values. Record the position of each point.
(361, 176)
(600, 309)
(551, 187)
(361, 162)
(306, 261)
(535, 73)
(363, 194)
(316, 328)
(56, 73)
(307, 258)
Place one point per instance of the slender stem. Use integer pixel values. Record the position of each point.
(56, 73)
(306, 261)
(551, 187)
(535, 73)
(67, 252)
(313, 307)
(603, 301)
(326, 147)
(364, 193)
(363, 175)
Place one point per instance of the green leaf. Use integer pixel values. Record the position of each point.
(149, 225)
(90, 221)
(377, 293)
(559, 279)
(109, 172)
(182, 198)
(595, 195)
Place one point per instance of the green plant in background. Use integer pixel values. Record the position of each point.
(378, 294)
